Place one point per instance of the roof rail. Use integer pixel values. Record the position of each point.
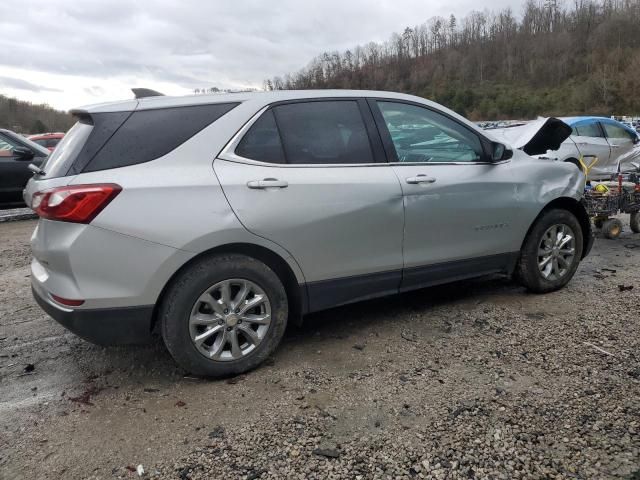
(146, 92)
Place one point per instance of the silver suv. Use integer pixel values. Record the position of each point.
(216, 219)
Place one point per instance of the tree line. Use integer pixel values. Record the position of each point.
(555, 59)
(25, 117)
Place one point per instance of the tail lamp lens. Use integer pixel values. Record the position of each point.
(74, 203)
(66, 301)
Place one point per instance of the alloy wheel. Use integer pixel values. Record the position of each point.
(230, 319)
(556, 251)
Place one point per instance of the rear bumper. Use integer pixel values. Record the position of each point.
(103, 326)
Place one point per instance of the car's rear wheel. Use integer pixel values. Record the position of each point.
(224, 315)
(551, 252)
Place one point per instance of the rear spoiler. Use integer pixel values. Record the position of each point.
(145, 92)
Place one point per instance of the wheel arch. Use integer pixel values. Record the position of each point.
(577, 208)
(296, 293)
(574, 161)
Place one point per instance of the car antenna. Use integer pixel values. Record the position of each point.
(146, 92)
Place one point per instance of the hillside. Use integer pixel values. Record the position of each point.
(554, 60)
(25, 117)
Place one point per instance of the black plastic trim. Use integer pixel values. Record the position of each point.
(332, 293)
(379, 152)
(426, 276)
(335, 292)
(105, 326)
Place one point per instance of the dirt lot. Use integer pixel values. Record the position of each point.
(476, 379)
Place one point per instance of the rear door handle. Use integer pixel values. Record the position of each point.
(421, 178)
(267, 183)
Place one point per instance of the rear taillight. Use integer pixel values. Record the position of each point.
(74, 203)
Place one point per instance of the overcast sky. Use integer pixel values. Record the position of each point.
(69, 53)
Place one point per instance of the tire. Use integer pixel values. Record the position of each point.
(183, 299)
(612, 228)
(528, 272)
(634, 221)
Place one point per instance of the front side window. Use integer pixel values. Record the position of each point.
(588, 129)
(323, 132)
(616, 131)
(422, 135)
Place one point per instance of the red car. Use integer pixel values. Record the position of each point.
(47, 140)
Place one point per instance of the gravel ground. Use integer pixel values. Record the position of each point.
(473, 380)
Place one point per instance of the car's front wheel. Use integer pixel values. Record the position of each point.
(223, 315)
(551, 252)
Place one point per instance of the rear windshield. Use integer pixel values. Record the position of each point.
(59, 161)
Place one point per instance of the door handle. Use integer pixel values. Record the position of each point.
(421, 178)
(267, 183)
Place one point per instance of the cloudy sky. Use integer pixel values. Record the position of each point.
(73, 52)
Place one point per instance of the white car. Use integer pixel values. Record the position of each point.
(616, 146)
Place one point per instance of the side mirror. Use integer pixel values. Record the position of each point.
(500, 152)
(23, 153)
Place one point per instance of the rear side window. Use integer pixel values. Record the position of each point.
(150, 134)
(323, 132)
(588, 129)
(616, 131)
(262, 141)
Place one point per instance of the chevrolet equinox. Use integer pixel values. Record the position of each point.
(214, 220)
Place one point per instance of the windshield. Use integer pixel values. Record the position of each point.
(59, 161)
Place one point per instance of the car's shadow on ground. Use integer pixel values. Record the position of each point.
(152, 363)
(379, 310)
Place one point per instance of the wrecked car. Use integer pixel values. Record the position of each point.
(215, 220)
(616, 146)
